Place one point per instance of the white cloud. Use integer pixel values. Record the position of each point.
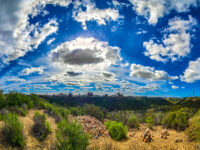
(15, 28)
(149, 73)
(84, 60)
(192, 73)
(16, 80)
(174, 87)
(94, 14)
(175, 43)
(50, 41)
(28, 71)
(152, 10)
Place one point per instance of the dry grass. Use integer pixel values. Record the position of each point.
(136, 143)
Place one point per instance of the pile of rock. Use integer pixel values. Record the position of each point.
(92, 126)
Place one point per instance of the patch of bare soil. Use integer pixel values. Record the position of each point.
(175, 141)
(31, 142)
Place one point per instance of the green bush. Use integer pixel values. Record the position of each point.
(149, 122)
(13, 130)
(2, 100)
(21, 111)
(116, 130)
(41, 128)
(177, 120)
(133, 122)
(158, 118)
(71, 136)
(94, 111)
(193, 131)
(76, 111)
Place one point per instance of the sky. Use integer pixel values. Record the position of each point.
(133, 47)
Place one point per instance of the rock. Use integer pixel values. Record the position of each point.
(92, 126)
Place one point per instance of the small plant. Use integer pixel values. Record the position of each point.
(13, 130)
(41, 127)
(116, 130)
(149, 122)
(71, 136)
(133, 122)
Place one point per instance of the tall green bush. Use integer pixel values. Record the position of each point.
(116, 130)
(71, 136)
(94, 111)
(13, 130)
(149, 122)
(133, 122)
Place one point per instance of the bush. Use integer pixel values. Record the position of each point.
(133, 122)
(177, 120)
(21, 111)
(149, 122)
(158, 118)
(41, 127)
(71, 136)
(75, 111)
(193, 131)
(116, 130)
(94, 111)
(13, 130)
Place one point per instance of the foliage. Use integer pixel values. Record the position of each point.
(133, 122)
(149, 121)
(116, 130)
(2, 100)
(193, 131)
(41, 127)
(76, 111)
(13, 130)
(71, 136)
(94, 111)
(177, 119)
(158, 116)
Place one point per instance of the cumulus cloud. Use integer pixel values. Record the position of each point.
(87, 60)
(15, 28)
(192, 73)
(28, 71)
(175, 43)
(50, 41)
(149, 73)
(152, 10)
(174, 87)
(94, 14)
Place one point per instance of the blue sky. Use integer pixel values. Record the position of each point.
(135, 47)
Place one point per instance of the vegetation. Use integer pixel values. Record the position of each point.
(193, 131)
(177, 119)
(71, 136)
(41, 127)
(133, 122)
(13, 130)
(116, 130)
(149, 122)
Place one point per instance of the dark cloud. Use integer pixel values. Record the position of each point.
(107, 75)
(77, 57)
(72, 73)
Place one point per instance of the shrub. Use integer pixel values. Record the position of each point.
(13, 130)
(71, 136)
(22, 111)
(2, 100)
(116, 130)
(158, 118)
(193, 131)
(75, 111)
(149, 122)
(133, 122)
(177, 120)
(94, 111)
(41, 127)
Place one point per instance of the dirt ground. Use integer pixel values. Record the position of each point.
(31, 142)
(136, 143)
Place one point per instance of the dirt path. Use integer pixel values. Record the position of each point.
(136, 143)
(31, 142)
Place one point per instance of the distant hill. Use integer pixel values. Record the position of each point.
(109, 102)
(190, 102)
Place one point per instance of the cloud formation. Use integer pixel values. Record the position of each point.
(175, 43)
(149, 73)
(28, 71)
(192, 73)
(152, 10)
